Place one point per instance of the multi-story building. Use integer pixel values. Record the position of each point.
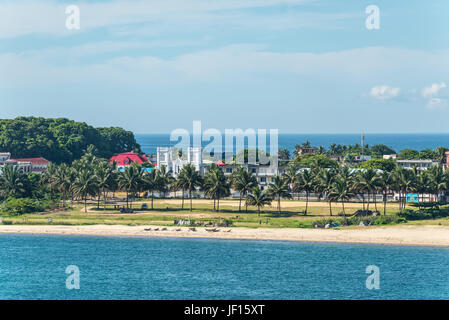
(419, 164)
(264, 173)
(27, 165)
(34, 165)
(174, 160)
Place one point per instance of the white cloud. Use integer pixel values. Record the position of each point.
(433, 90)
(437, 103)
(384, 92)
(27, 17)
(242, 63)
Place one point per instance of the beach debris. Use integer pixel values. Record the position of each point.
(147, 229)
(192, 229)
(156, 229)
(178, 229)
(164, 229)
(228, 230)
(363, 224)
(212, 230)
(327, 226)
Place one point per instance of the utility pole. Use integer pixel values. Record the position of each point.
(363, 144)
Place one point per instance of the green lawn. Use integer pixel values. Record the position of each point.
(166, 211)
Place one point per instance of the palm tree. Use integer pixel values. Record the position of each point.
(325, 179)
(12, 181)
(291, 175)
(279, 189)
(403, 182)
(215, 185)
(190, 180)
(341, 191)
(440, 154)
(104, 174)
(62, 180)
(48, 178)
(165, 180)
(306, 183)
(243, 181)
(384, 184)
(85, 185)
(130, 181)
(258, 198)
(150, 183)
(365, 183)
(423, 183)
(438, 180)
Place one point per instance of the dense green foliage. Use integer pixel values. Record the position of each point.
(18, 206)
(320, 160)
(61, 140)
(381, 164)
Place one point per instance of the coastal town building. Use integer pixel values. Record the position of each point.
(174, 160)
(264, 173)
(5, 156)
(26, 165)
(127, 158)
(361, 158)
(34, 165)
(418, 163)
(389, 156)
(306, 150)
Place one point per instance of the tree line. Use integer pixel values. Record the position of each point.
(61, 140)
(92, 177)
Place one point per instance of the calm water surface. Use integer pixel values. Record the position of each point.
(33, 267)
(417, 141)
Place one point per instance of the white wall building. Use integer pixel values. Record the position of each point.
(419, 164)
(5, 156)
(169, 157)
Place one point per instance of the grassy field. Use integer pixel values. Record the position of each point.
(167, 210)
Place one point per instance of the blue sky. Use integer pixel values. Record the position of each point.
(305, 66)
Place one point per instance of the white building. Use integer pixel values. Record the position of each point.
(389, 156)
(419, 164)
(174, 161)
(5, 156)
(362, 158)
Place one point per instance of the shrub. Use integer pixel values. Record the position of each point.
(423, 214)
(18, 206)
(355, 221)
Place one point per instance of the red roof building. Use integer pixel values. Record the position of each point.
(36, 165)
(125, 159)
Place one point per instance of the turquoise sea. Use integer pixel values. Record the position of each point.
(33, 267)
(397, 141)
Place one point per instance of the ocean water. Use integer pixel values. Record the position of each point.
(417, 141)
(33, 267)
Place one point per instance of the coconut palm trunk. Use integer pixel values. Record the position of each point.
(240, 201)
(182, 206)
(152, 199)
(307, 202)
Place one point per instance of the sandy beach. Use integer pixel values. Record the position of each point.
(398, 235)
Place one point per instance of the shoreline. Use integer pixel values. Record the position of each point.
(437, 236)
